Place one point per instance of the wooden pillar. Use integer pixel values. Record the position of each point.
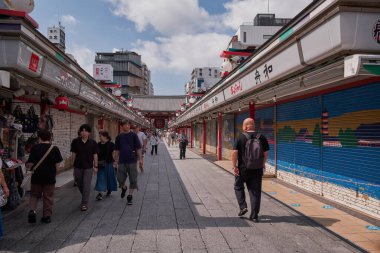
(204, 137)
(220, 128)
(252, 110)
(191, 135)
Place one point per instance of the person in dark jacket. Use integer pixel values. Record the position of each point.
(183, 142)
(106, 178)
(43, 178)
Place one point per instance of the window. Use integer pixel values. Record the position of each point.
(267, 37)
(244, 36)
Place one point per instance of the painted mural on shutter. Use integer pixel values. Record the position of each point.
(214, 136)
(351, 141)
(198, 135)
(299, 138)
(228, 135)
(208, 136)
(239, 118)
(264, 124)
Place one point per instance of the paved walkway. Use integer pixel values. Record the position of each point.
(182, 206)
(353, 226)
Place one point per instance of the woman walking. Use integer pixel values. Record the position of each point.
(106, 179)
(154, 140)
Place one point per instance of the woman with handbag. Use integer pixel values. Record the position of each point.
(4, 193)
(43, 161)
(106, 179)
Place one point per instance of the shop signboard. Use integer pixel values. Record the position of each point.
(29, 60)
(103, 72)
(60, 78)
(213, 101)
(276, 67)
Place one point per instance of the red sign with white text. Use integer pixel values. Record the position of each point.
(33, 62)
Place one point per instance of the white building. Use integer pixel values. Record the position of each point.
(56, 35)
(254, 34)
(249, 36)
(203, 79)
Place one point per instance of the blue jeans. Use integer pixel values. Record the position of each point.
(254, 183)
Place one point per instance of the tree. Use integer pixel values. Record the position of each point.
(317, 141)
(287, 134)
(348, 138)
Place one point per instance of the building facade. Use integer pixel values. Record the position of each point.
(57, 36)
(203, 79)
(313, 92)
(249, 36)
(148, 86)
(128, 71)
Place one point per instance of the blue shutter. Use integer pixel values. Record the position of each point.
(264, 124)
(351, 150)
(299, 137)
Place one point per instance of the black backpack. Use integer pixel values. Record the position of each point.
(253, 155)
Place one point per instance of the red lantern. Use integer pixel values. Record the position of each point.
(62, 102)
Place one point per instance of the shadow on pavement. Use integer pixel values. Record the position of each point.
(162, 206)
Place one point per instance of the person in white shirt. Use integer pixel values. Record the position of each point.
(143, 141)
(154, 140)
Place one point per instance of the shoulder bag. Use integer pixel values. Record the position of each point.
(43, 158)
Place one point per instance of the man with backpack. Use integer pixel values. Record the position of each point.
(248, 160)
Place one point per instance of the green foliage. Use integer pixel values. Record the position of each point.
(317, 137)
(287, 134)
(347, 138)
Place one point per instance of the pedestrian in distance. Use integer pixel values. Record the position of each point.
(6, 195)
(43, 161)
(106, 178)
(183, 142)
(154, 140)
(172, 137)
(143, 141)
(127, 154)
(168, 137)
(249, 155)
(84, 152)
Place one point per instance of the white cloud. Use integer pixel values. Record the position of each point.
(239, 11)
(182, 53)
(189, 35)
(167, 17)
(69, 20)
(84, 56)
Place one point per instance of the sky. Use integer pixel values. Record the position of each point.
(172, 36)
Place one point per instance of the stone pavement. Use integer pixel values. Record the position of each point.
(182, 206)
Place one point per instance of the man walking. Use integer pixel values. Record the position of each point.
(85, 156)
(143, 141)
(127, 153)
(182, 146)
(248, 160)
